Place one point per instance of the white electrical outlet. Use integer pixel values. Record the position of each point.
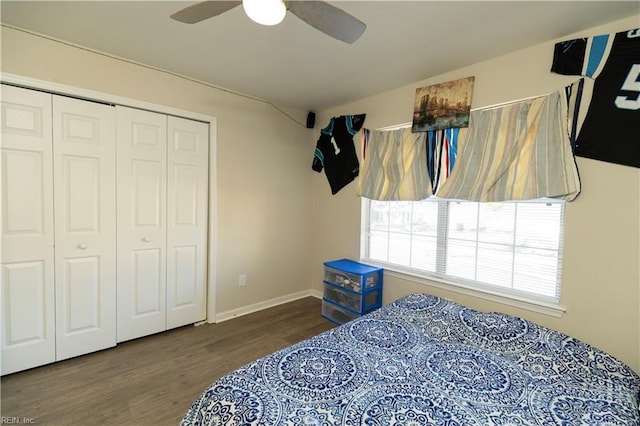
(242, 280)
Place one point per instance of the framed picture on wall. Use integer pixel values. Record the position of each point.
(443, 106)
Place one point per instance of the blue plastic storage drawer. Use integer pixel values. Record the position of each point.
(352, 275)
(336, 313)
(358, 302)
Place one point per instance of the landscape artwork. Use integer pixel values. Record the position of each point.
(443, 106)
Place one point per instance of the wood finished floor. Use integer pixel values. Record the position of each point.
(154, 380)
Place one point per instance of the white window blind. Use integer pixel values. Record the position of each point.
(512, 248)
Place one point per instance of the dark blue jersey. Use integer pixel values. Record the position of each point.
(611, 128)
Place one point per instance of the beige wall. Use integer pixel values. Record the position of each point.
(264, 185)
(601, 275)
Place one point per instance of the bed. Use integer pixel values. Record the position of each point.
(424, 360)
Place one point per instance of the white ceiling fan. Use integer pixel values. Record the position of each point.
(321, 15)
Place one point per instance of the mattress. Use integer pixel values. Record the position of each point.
(424, 360)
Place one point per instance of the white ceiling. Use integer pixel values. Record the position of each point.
(292, 63)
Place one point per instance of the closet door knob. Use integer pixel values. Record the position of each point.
(146, 239)
(82, 246)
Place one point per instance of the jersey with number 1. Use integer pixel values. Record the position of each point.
(611, 128)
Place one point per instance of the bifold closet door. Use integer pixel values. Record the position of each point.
(85, 226)
(142, 230)
(187, 219)
(27, 276)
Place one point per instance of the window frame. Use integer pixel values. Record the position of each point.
(536, 303)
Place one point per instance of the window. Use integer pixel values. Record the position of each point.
(512, 248)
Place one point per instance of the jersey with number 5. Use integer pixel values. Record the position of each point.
(611, 128)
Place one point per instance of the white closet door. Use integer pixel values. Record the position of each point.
(85, 226)
(188, 144)
(142, 230)
(27, 271)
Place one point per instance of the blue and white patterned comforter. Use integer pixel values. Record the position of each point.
(423, 360)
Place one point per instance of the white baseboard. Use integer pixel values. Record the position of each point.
(316, 293)
(245, 310)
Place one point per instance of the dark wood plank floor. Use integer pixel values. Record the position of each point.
(153, 380)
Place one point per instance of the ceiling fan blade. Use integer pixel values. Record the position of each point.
(203, 10)
(329, 19)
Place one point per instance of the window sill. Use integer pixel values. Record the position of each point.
(529, 304)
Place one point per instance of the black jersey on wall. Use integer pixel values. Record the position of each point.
(336, 153)
(611, 128)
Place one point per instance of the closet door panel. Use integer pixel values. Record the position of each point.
(84, 176)
(81, 290)
(187, 221)
(185, 262)
(142, 187)
(26, 197)
(81, 203)
(26, 220)
(147, 295)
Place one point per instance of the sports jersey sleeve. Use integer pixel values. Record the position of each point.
(318, 159)
(582, 56)
(568, 57)
(321, 147)
(354, 123)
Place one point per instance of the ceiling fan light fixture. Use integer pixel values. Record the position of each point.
(265, 12)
